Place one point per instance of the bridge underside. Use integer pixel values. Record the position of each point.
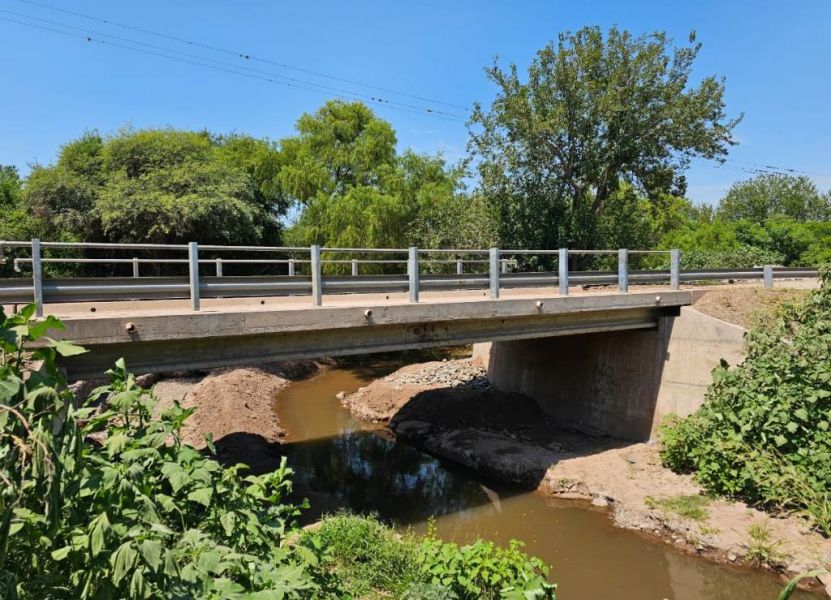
(185, 340)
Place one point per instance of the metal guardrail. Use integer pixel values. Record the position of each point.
(195, 287)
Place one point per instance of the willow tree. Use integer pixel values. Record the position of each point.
(595, 111)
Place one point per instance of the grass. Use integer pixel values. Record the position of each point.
(762, 549)
(372, 560)
(692, 507)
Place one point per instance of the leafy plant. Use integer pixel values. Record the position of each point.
(102, 500)
(375, 561)
(764, 433)
(483, 570)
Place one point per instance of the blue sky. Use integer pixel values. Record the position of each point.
(775, 56)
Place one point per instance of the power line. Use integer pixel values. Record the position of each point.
(221, 66)
(243, 55)
(322, 87)
(762, 169)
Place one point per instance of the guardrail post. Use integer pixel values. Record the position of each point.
(193, 272)
(459, 266)
(291, 267)
(135, 267)
(767, 273)
(623, 270)
(675, 268)
(317, 287)
(37, 278)
(354, 268)
(412, 273)
(562, 267)
(219, 267)
(493, 271)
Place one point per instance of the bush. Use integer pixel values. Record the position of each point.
(375, 561)
(763, 433)
(368, 555)
(102, 500)
(483, 570)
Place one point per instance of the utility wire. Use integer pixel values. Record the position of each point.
(233, 69)
(323, 87)
(243, 55)
(761, 169)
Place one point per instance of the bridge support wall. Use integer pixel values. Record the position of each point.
(620, 383)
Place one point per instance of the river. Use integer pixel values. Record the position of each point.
(339, 462)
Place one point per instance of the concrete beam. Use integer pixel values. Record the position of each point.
(186, 341)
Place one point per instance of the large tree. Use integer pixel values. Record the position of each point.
(595, 112)
(353, 189)
(770, 195)
(158, 185)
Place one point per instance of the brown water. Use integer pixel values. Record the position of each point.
(340, 463)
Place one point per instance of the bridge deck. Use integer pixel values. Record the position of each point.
(167, 336)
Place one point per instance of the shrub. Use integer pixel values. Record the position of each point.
(106, 502)
(368, 555)
(763, 432)
(483, 570)
(374, 561)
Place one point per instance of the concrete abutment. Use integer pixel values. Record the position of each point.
(620, 383)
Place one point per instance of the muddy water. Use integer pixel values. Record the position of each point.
(341, 463)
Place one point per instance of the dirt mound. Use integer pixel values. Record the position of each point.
(745, 306)
(236, 407)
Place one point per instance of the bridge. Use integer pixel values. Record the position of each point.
(318, 303)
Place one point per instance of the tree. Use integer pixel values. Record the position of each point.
(773, 194)
(595, 112)
(161, 186)
(9, 186)
(340, 147)
(354, 190)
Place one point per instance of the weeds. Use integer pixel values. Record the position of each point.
(693, 507)
(761, 549)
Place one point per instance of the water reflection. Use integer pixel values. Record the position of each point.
(340, 463)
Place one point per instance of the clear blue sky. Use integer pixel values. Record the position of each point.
(775, 56)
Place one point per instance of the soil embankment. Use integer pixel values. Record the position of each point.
(235, 407)
(450, 410)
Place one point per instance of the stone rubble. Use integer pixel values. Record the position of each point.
(458, 374)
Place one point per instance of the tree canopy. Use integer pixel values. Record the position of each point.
(158, 185)
(770, 195)
(595, 111)
(353, 189)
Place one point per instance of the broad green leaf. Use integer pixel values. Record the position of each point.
(65, 348)
(151, 551)
(99, 527)
(201, 495)
(122, 561)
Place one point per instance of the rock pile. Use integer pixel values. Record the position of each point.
(453, 373)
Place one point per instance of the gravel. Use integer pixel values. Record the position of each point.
(454, 373)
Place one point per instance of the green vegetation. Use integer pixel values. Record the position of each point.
(693, 507)
(761, 548)
(764, 432)
(378, 562)
(587, 151)
(599, 117)
(101, 499)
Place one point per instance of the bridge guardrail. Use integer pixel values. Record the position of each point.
(497, 276)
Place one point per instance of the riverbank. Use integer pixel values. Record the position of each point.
(235, 408)
(449, 410)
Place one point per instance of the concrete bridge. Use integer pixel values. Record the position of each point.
(609, 358)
